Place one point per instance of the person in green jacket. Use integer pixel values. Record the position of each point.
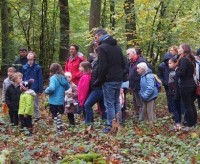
(26, 106)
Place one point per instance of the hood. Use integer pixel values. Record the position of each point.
(62, 80)
(31, 92)
(109, 40)
(148, 71)
(167, 56)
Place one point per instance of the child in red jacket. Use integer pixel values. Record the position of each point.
(84, 82)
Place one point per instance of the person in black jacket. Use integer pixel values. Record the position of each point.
(13, 96)
(110, 73)
(187, 85)
(134, 80)
(21, 60)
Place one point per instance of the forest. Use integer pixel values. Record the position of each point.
(49, 26)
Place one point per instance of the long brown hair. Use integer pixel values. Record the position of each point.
(187, 52)
(86, 66)
(56, 68)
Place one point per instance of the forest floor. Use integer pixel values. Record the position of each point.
(134, 143)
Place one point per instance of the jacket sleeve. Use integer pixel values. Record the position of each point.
(102, 67)
(3, 92)
(150, 81)
(40, 80)
(29, 104)
(7, 97)
(83, 89)
(66, 66)
(52, 86)
(183, 66)
(161, 74)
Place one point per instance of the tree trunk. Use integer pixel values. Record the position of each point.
(95, 12)
(103, 15)
(112, 13)
(130, 26)
(5, 31)
(64, 30)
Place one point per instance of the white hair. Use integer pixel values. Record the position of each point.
(68, 74)
(131, 50)
(143, 65)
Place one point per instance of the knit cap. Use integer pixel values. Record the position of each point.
(25, 85)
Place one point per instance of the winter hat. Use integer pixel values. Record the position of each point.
(25, 85)
(198, 52)
(143, 65)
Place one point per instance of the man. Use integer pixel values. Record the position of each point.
(32, 70)
(21, 60)
(134, 80)
(110, 74)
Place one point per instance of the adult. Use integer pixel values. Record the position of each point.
(134, 80)
(163, 74)
(73, 62)
(95, 96)
(21, 60)
(187, 85)
(173, 50)
(110, 74)
(197, 58)
(32, 70)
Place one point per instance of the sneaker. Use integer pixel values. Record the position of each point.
(106, 130)
(36, 119)
(187, 128)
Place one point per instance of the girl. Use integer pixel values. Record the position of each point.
(12, 97)
(148, 92)
(84, 83)
(71, 108)
(187, 85)
(173, 91)
(26, 106)
(56, 91)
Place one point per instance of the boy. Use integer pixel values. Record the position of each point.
(7, 82)
(12, 97)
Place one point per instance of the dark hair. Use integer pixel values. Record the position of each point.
(138, 51)
(23, 49)
(174, 60)
(100, 31)
(75, 46)
(56, 68)
(86, 66)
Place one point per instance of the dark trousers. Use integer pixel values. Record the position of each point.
(175, 106)
(71, 118)
(13, 117)
(55, 109)
(26, 122)
(188, 98)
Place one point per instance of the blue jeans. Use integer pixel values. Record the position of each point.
(111, 92)
(94, 97)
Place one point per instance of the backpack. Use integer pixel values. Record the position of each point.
(158, 82)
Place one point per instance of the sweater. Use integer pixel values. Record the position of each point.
(6, 84)
(26, 103)
(83, 88)
(56, 90)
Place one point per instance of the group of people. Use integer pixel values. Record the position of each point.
(103, 80)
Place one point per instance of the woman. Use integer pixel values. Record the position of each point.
(187, 85)
(73, 62)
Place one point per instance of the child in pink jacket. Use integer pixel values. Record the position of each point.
(84, 82)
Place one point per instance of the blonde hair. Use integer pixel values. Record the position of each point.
(16, 75)
(68, 74)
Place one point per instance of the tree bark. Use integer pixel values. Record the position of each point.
(64, 30)
(130, 26)
(112, 13)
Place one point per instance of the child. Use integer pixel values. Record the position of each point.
(174, 100)
(84, 82)
(12, 97)
(26, 106)
(148, 92)
(56, 91)
(7, 82)
(71, 99)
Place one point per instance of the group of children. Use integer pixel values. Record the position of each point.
(19, 98)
